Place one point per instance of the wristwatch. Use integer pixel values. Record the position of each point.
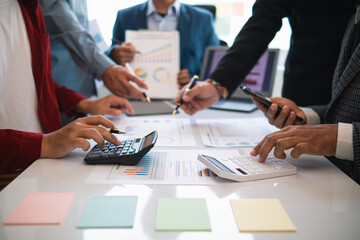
(222, 91)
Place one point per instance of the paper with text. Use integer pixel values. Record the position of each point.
(176, 132)
(160, 167)
(235, 132)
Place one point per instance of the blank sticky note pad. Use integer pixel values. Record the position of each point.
(41, 209)
(261, 215)
(182, 214)
(109, 212)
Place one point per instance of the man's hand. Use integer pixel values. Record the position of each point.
(59, 143)
(201, 96)
(117, 80)
(110, 105)
(123, 53)
(287, 115)
(183, 78)
(305, 139)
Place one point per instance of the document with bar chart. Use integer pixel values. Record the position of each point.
(160, 167)
(158, 60)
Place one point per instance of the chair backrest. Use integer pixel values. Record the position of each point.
(212, 9)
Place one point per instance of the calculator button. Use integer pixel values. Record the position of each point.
(132, 151)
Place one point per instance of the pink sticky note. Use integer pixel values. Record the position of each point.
(41, 209)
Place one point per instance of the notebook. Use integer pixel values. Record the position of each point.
(260, 79)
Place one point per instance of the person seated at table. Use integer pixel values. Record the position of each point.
(195, 27)
(30, 100)
(332, 130)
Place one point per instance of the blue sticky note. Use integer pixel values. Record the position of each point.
(109, 212)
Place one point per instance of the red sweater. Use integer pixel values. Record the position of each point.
(19, 149)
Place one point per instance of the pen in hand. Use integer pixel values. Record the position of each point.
(117, 131)
(131, 71)
(190, 86)
(120, 42)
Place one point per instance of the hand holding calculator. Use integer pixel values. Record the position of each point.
(130, 152)
(265, 101)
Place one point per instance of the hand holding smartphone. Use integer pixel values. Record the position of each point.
(265, 101)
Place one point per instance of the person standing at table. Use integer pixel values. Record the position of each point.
(195, 27)
(317, 30)
(30, 100)
(332, 130)
(76, 60)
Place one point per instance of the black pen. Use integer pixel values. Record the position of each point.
(117, 131)
(190, 86)
(120, 42)
(131, 71)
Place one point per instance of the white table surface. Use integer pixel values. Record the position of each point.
(322, 202)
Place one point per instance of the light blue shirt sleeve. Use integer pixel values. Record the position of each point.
(344, 143)
(63, 24)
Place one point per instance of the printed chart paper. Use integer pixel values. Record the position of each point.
(160, 167)
(182, 214)
(261, 215)
(171, 132)
(109, 212)
(235, 132)
(41, 209)
(158, 62)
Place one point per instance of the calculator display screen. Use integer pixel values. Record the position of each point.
(147, 141)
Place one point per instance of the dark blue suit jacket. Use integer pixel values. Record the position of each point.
(195, 27)
(345, 102)
(317, 30)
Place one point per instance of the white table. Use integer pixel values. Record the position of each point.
(322, 202)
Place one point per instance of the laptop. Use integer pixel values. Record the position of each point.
(260, 79)
(241, 168)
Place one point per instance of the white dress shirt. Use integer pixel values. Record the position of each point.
(344, 144)
(167, 23)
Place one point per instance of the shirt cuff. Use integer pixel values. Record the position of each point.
(344, 145)
(312, 118)
(101, 63)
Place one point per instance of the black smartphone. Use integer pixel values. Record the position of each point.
(130, 152)
(265, 101)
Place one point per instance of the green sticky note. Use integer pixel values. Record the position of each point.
(182, 214)
(109, 212)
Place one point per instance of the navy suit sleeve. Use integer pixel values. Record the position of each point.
(320, 110)
(212, 39)
(251, 42)
(118, 32)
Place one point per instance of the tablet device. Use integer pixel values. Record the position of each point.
(151, 108)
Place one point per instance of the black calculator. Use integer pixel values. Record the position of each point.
(130, 152)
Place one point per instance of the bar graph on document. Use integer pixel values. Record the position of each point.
(160, 167)
(158, 54)
(172, 132)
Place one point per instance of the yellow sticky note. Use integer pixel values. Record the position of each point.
(261, 215)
